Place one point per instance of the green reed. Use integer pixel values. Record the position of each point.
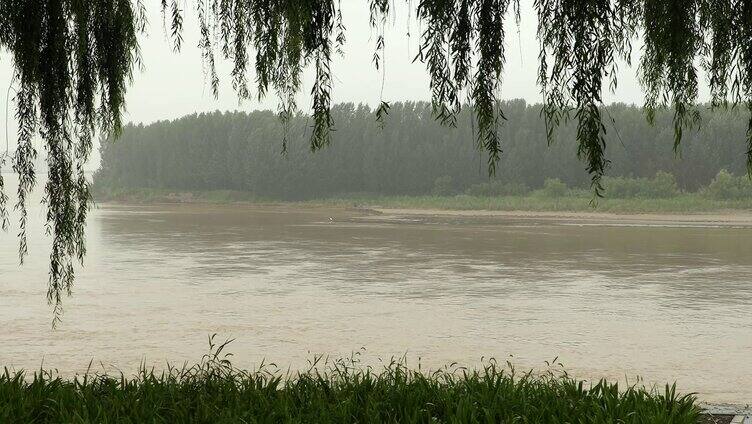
(341, 391)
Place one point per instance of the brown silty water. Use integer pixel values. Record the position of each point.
(661, 301)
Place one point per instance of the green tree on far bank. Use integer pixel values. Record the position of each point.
(415, 155)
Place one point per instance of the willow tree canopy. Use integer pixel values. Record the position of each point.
(73, 61)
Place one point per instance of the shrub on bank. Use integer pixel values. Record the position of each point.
(443, 186)
(553, 187)
(662, 186)
(726, 186)
(497, 189)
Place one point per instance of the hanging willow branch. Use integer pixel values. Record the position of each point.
(73, 60)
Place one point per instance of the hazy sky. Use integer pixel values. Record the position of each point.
(173, 84)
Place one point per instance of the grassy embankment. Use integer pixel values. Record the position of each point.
(341, 392)
(574, 201)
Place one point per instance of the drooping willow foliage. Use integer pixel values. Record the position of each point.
(73, 61)
(72, 65)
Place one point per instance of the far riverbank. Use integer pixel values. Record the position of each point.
(690, 207)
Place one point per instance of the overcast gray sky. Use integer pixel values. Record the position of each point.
(173, 84)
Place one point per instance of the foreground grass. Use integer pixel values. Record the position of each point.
(334, 392)
(575, 201)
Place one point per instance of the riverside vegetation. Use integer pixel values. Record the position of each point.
(554, 196)
(341, 391)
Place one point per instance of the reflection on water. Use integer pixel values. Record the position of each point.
(667, 303)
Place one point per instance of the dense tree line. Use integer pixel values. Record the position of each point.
(410, 154)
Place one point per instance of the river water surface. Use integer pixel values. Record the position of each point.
(665, 302)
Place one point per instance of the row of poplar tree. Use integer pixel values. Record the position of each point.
(407, 153)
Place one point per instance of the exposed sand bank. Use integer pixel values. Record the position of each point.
(732, 218)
